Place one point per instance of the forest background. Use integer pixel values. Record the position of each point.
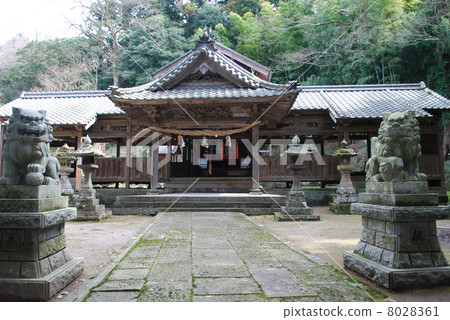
(317, 42)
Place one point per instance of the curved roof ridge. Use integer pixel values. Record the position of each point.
(64, 94)
(354, 87)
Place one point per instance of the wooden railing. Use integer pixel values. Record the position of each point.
(113, 170)
(274, 170)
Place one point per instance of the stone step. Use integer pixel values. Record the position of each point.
(165, 199)
(185, 204)
(151, 204)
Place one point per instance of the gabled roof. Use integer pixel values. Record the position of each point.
(66, 108)
(370, 101)
(208, 57)
(260, 71)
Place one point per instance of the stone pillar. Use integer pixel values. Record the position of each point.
(66, 186)
(88, 206)
(255, 166)
(77, 169)
(296, 206)
(345, 192)
(34, 262)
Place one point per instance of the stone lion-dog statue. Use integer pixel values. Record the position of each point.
(396, 151)
(26, 152)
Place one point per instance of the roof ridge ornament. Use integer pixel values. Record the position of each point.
(208, 37)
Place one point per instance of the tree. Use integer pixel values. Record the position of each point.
(241, 7)
(106, 20)
(149, 45)
(68, 64)
(424, 44)
(210, 14)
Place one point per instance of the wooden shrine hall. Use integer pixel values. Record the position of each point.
(203, 112)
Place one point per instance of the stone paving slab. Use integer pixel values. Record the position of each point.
(166, 291)
(121, 285)
(124, 274)
(229, 298)
(219, 256)
(114, 296)
(280, 282)
(223, 286)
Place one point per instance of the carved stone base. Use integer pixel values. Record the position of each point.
(397, 279)
(340, 208)
(34, 262)
(281, 216)
(24, 198)
(91, 210)
(399, 247)
(43, 288)
(345, 195)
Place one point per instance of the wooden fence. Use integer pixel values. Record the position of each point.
(114, 170)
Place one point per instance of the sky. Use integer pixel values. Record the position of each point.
(39, 19)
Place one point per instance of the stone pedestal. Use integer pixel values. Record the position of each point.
(88, 206)
(296, 207)
(34, 262)
(345, 192)
(399, 247)
(66, 186)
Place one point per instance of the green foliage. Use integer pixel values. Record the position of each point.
(210, 14)
(148, 46)
(241, 7)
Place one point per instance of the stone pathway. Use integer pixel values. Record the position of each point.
(221, 256)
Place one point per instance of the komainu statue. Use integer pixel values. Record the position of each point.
(396, 151)
(26, 152)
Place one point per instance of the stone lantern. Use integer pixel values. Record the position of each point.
(345, 193)
(87, 204)
(65, 160)
(296, 207)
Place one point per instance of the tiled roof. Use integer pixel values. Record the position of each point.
(202, 93)
(79, 107)
(370, 101)
(222, 61)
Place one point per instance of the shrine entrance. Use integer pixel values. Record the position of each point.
(215, 158)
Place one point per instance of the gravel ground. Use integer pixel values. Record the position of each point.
(102, 242)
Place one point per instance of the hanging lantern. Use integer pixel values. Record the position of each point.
(228, 142)
(181, 141)
(204, 142)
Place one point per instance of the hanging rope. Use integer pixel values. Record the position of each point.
(206, 132)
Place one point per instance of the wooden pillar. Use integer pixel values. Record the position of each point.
(2, 139)
(128, 156)
(347, 135)
(154, 176)
(169, 154)
(117, 156)
(255, 165)
(441, 154)
(78, 170)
